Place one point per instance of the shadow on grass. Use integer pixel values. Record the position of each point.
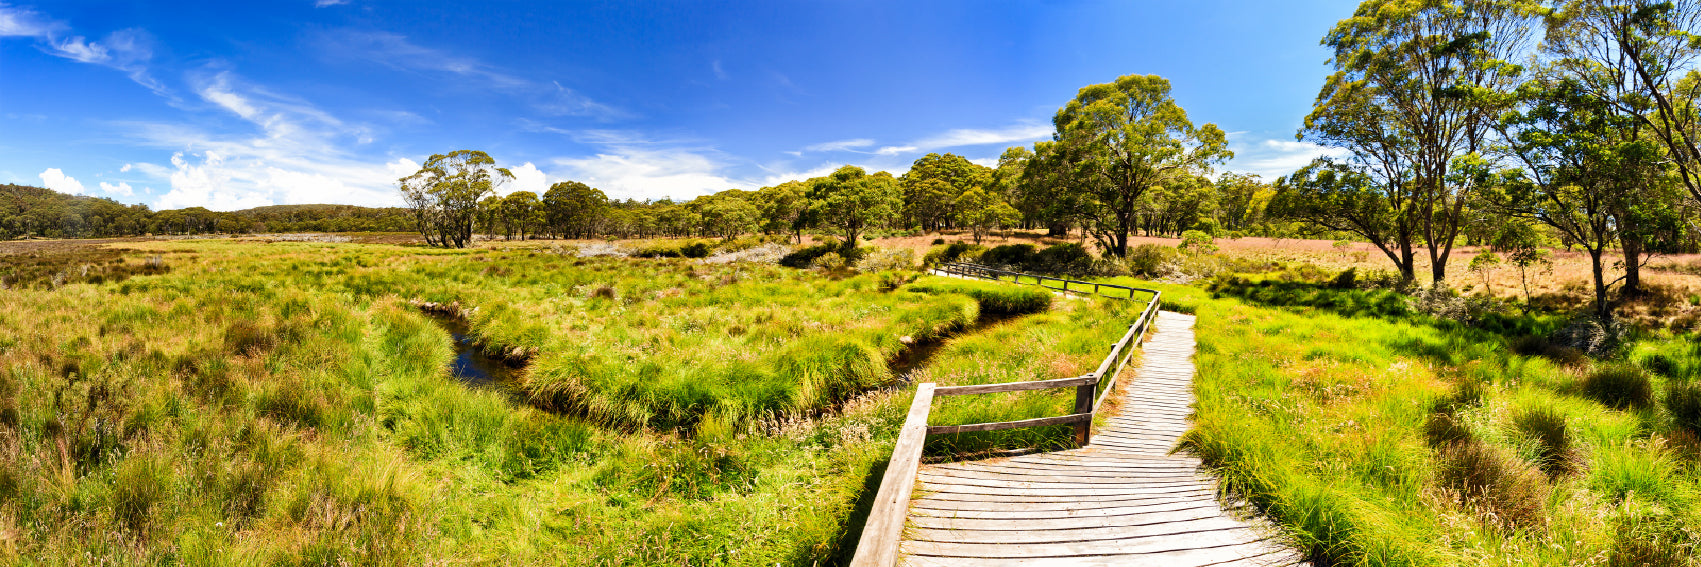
(1459, 339)
(844, 550)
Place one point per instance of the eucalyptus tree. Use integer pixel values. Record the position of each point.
(981, 210)
(1638, 59)
(573, 209)
(1342, 197)
(932, 185)
(1117, 140)
(444, 194)
(1584, 165)
(850, 200)
(1418, 85)
(783, 208)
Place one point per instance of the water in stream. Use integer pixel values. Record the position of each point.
(471, 366)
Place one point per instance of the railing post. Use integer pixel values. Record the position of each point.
(1084, 404)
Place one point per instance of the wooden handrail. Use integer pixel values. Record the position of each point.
(878, 546)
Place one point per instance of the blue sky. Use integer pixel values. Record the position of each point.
(230, 105)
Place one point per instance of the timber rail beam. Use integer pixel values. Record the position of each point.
(881, 535)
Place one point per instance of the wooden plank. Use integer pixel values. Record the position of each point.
(878, 546)
(1037, 536)
(1055, 506)
(1035, 422)
(1070, 514)
(1016, 386)
(1177, 542)
(1254, 554)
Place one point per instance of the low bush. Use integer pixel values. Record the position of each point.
(1015, 257)
(953, 252)
(804, 258)
(1620, 386)
(1064, 260)
(1151, 260)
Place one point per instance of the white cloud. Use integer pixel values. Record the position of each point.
(297, 154)
(1272, 159)
(18, 22)
(625, 171)
(1026, 132)
(127, 167)
(778, 177)
(127, 50)
(122, 189)
(895, 150)
(839, 145)
(324, 3)
(527, 177)
(56, 180)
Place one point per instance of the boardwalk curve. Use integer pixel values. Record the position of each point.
(1121, 500)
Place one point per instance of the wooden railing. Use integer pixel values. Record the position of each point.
(878, 546)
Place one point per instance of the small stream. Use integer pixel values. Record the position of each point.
(472, 366)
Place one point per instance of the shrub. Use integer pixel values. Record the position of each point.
(695, 250)
(883, 259)
(247, 338)
(830, 261)
(938, 241)
(1197, 242)
(1683, 401)
(954, 252)
(1151, 260)
(1347, 279)
(803, 258)
(1619, 386)
(1017, 257)
(1063, 259)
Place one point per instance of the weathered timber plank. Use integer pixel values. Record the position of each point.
(1177, 542)
(1161, 529)
(1016, 386)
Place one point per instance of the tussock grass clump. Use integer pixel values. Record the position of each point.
(1662, 365)
(1547, 427)
(1683, 402)
(1619, 386)
(1500, 486)
(994, 298)
(1651, 540)
(140, 484)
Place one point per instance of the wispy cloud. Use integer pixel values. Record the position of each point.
(1025, 132)
(398, 52)
(956, 138)
(325, 3)
(1271, 158)
(125, 50)
(296, 153)
(839, 145)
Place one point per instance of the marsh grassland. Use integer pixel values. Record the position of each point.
(219, 402)
(291, 403)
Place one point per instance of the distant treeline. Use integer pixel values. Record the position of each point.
(36, 212)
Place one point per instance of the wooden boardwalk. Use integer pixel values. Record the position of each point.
(1121, 500)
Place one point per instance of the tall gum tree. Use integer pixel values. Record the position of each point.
(1118, 140)
(1418, 84)
(1638, 58)
(444, 194)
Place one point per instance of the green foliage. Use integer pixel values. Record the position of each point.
(1117, 140)
(1197, 242)
(1149, 260)
(994, 298)
(953, 252)
(1015, 257)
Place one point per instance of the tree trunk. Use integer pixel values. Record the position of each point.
(1632, 267)
(1601, 309)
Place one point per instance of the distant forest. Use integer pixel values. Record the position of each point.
(44, 213)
